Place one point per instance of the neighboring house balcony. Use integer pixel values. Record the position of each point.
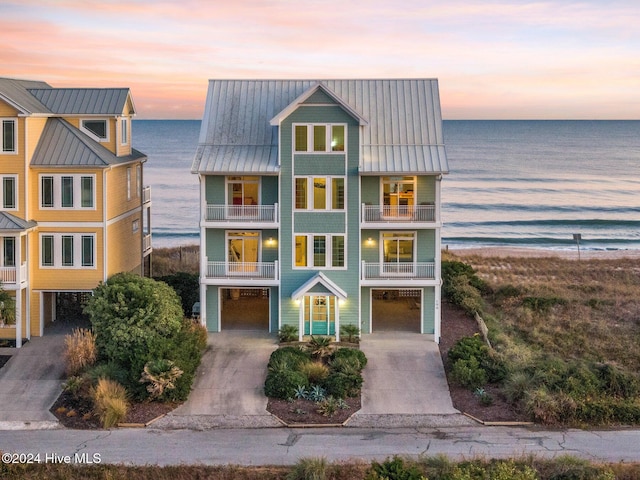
(398, 273)
(9, 277)
(146, 195)
(392, 216)
(242, 273)
(241, 215)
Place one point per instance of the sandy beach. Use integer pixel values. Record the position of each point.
(521, 252)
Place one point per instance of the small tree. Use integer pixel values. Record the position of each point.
(134, 319)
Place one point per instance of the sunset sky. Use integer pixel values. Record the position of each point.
(494, 59)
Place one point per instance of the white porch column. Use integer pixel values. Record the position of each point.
(18, 306)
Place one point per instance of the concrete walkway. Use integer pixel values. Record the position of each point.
(32, 380)
(404, 383)
(228, 390)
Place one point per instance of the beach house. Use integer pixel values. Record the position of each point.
(74, 207)
(320, 205)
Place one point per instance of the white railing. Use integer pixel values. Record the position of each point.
(8, 274)
(393, 270)
(146, 194)
(248, 270)
(146, 242)
(248, 213)
(398, 213)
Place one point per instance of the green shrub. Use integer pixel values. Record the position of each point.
(468, 373)
(109, 370)
(394, 469)
(568, 467)
(351, 353)
(341, 385)
(283, 384)
(134, 319)
(453, 268)
(289, 357)
(616, 382)
(288, 333)
(468, 347)
(187, 286)
(542, 304)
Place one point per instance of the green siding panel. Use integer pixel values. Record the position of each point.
(319, 222)
(212, 308)
(428, 310)
(214, 189)
(319, 164)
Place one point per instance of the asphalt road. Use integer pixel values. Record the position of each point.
(283, 446)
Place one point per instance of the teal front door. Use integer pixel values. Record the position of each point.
(319, 315)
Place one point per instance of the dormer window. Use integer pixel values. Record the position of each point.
(98, 129)
(319, 138)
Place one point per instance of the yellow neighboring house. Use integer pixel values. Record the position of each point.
(73, 206)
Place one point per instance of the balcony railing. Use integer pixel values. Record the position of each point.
(243, 270)
(146, 194)
(146, 243)
(8, 274)
(398, 213)
(242, 213)
(397, 270)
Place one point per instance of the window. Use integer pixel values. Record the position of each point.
(124, 125)
(325, 251)
(67, 191)
(135, 225)
(87, 250)
(9, 252)
(327, 193)
(98, 129)
(9, 195)
(129, 183)
(47, 251)
(9, 140)
(138, 180)
(67, 250)
(398, 196)
(319, 138)
(243, 191)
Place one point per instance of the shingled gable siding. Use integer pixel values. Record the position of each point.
(320, 222)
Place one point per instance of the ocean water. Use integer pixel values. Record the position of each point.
(511, 183)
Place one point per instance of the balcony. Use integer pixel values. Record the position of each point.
(8, 276)
(256, 215)
(243, 273)
(146, 195)
(382, 216)
(397, 273)
(146, 244)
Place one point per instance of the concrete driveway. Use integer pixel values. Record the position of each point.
(32, 380)
(404, 383)
(228, 390)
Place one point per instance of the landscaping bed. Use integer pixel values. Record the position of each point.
(300, 411)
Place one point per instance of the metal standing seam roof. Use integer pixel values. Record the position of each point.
(16, 93)
(13, 223)
(61, 144)
(83, 101)
(401, 132)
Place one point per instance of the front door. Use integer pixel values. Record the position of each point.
(319, 315)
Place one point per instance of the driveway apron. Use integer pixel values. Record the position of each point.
(228, 390)
(404, 376)
(32, 380)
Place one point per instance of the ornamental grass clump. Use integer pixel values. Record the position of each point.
(110, 402)
(80, 350)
